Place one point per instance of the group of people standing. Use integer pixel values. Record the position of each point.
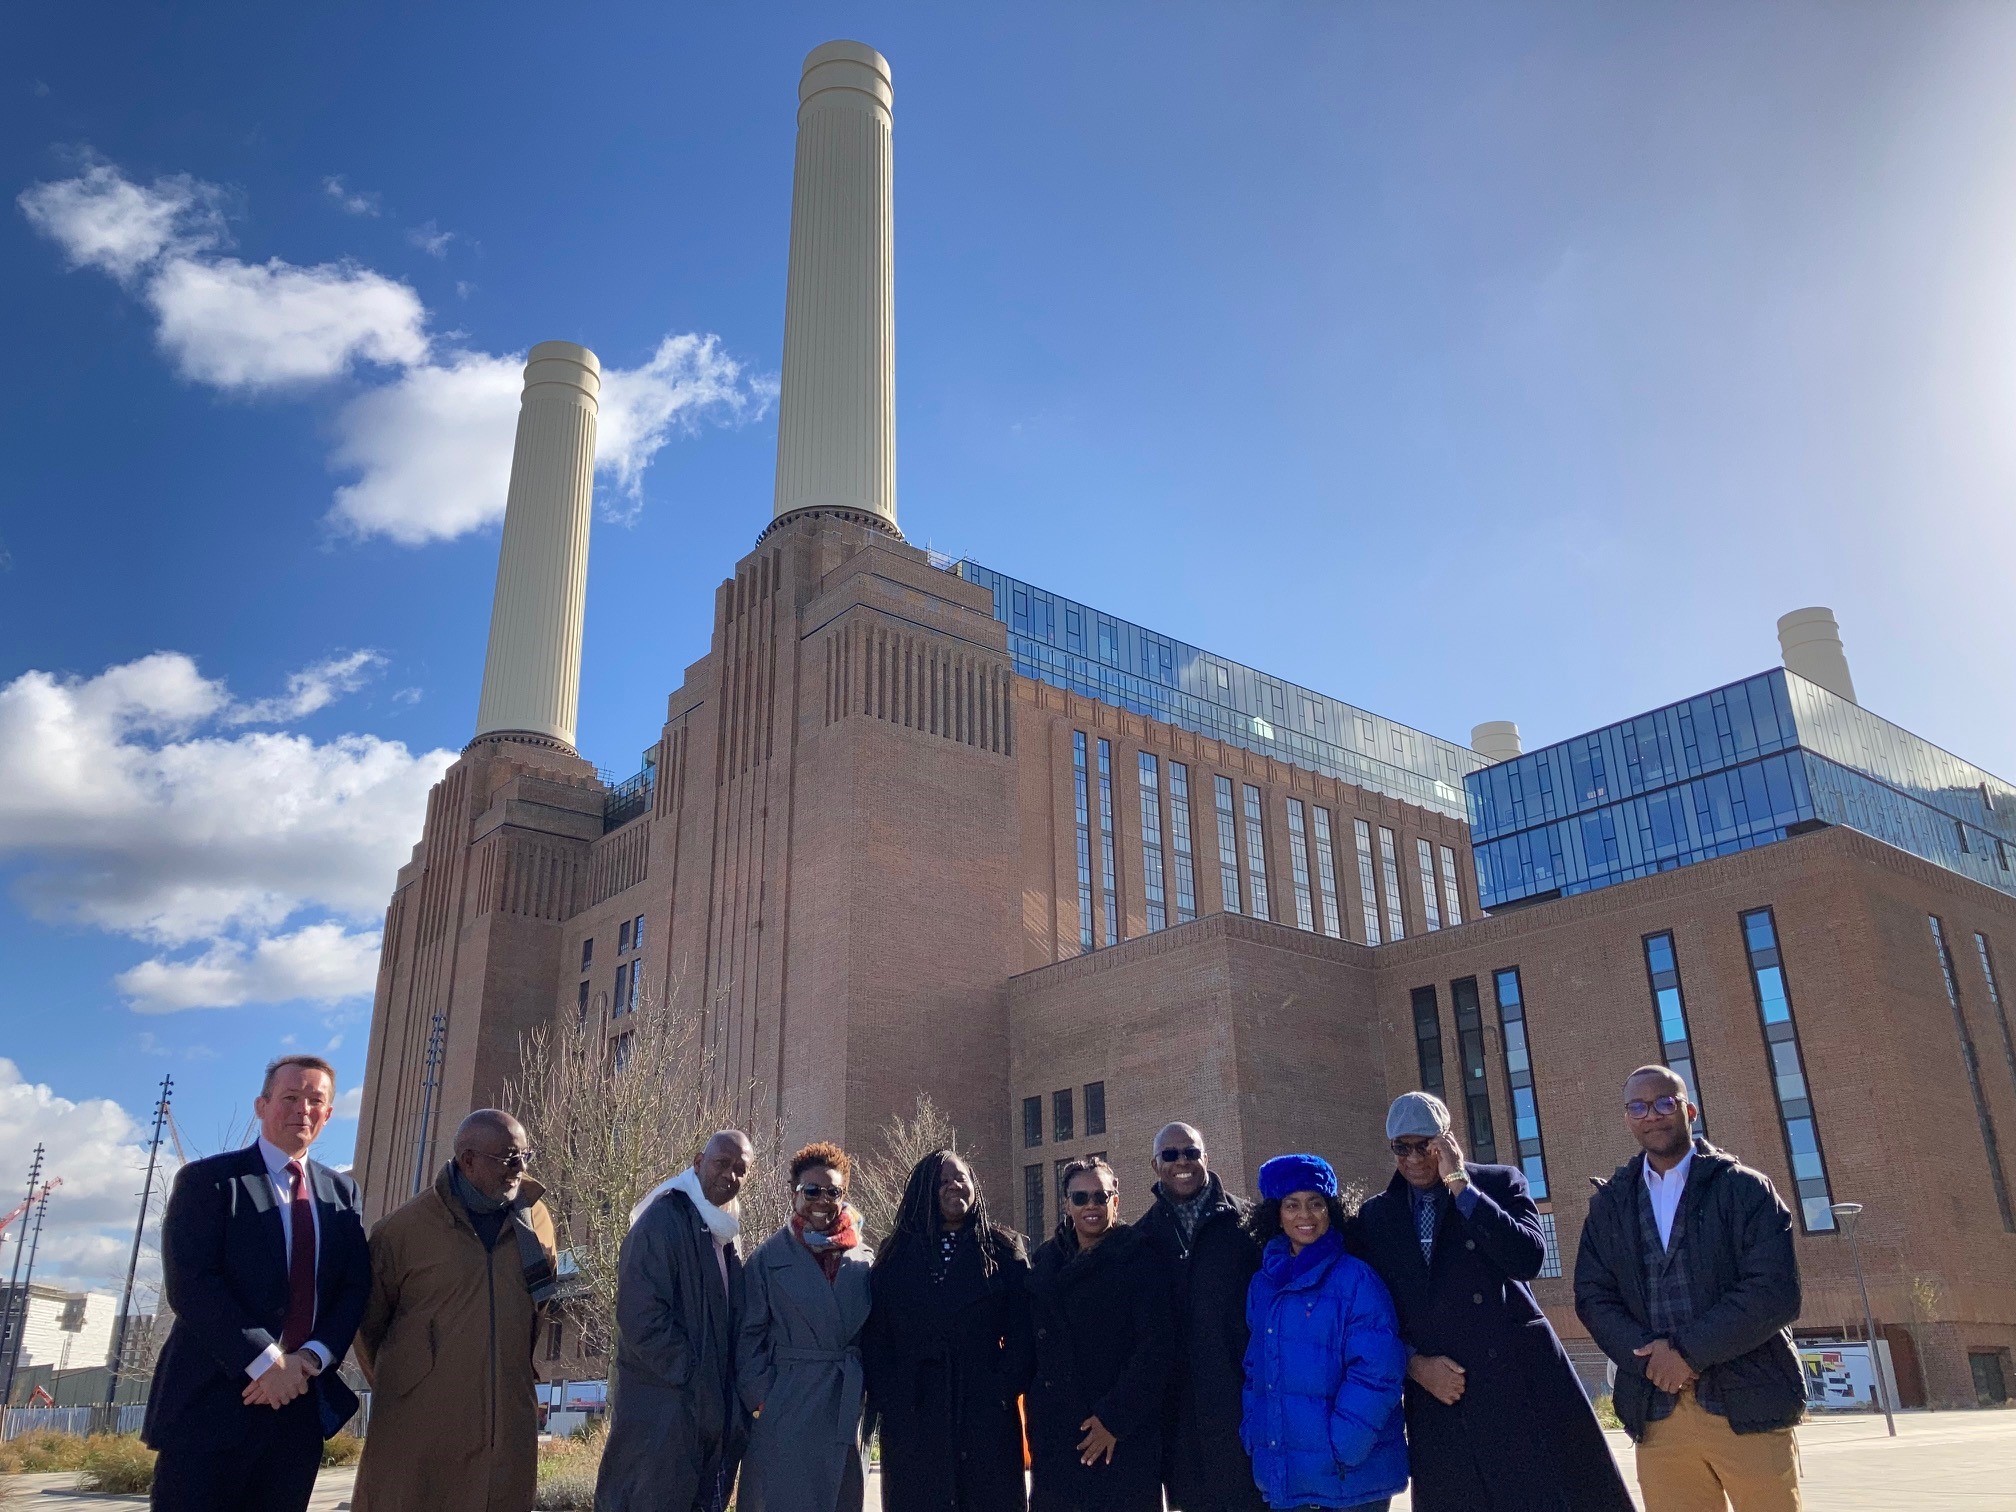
(1221, 1355)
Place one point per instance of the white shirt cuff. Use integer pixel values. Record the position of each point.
(315, 1345)
(266, 1359)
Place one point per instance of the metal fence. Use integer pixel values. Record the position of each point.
(15, 1421)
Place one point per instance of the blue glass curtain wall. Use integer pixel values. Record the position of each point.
(1071, 645)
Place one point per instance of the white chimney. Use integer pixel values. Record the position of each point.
(1496, 740)
(1810, 641)
(532, 673)
(836, 417)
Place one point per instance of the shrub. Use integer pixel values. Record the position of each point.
(567, 1469)
(343, 1449)
(1606, 1412)
(116, 1463)
(41, 1453)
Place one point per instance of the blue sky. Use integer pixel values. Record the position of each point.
(1466, 362)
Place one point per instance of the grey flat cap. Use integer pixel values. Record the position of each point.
(1416, 1115)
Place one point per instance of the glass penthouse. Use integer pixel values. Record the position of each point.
(1071, 645)
(1744, 765)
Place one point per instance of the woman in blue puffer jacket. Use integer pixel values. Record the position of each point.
(1324, 1364)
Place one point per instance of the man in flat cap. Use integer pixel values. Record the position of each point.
(1496, 1421)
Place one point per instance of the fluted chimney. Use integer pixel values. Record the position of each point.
(532, 673)
(836, 418)
(1810, 642)
(1496, 740)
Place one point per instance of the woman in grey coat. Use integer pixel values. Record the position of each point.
(798, 1355)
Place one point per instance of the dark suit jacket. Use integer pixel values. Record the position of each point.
(224, 1263)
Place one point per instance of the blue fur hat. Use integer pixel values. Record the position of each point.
(1296, 1173)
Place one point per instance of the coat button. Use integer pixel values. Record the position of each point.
(1490, 1354)
(1478, 1298)
(1469, 1244)
(1042, 1333)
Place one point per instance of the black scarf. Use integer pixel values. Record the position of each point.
(534, 1266)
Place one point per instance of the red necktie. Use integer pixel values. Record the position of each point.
(300, 1265)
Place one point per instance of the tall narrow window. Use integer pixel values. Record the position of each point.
(1109, 884)
(1431, 909)
(1389, 871)
(1298, 865)
(1669, 1007)
(1368, 888)
(1095, 1108)
(637, 934)
(581, 1008)
(1550, 1259)
(1032, 1198)
(1972, 1062)
(587, 952)
(1179, 835)
(1795, 1102)
(1151, 842)
(1428, 1040)
(1032, 1122)
(623, 937)
(620, 1001)
(1060, 1116)
(1452, 895)
(1228, 845)
(1082, 794)
(636, 983)
(1519, 1077)
(1476, 1085)
(1256, 855)
(1995, 1002)
(1326, 874)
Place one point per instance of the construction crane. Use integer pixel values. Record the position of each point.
(21, 1208)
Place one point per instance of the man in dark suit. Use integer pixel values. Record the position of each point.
(267, 1271)
(1496, 1421)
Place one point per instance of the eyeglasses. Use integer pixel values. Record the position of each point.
(815, 1191)
(1092, 1199)
(1663, 1106)
(518, 1158)
(1412, 1149)
(1172, 1154)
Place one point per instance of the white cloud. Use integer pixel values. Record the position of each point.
(352, 201)
(430, 449)
(430, 238)
(100, 1152)
(103, 220)
(311, 689)
(322, 963)
(350, 1103)
(241, 325)
(132, 819)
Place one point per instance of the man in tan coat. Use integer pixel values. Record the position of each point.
(461, 1276)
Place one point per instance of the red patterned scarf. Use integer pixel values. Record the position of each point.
(829, 1247)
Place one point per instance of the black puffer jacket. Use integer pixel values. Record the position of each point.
(1203, 1463)
(1745, 1283)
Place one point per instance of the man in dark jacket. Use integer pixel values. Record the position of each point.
(1200, 1228)
(676, 1427)
(1496, 1420)
(1687, 1279)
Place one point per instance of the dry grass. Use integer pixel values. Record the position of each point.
(41, 1453)
(343, 1449)
(567, 1470)
(116, 1463)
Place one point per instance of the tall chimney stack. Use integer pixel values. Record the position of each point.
(1810, 642)
(532, 673)
(1496, 740)
(836, 419)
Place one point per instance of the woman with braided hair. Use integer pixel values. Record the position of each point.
(948, 1348)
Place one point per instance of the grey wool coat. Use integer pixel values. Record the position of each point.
(675, 1420)
(799, 1360)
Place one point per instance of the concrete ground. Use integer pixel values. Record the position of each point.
(1939, 1462)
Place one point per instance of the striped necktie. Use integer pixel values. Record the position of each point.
(1425, 1214)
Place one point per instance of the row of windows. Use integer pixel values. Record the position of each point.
(629, 976)
(1239, 812)
(1062, 1123)
(1972, 1061)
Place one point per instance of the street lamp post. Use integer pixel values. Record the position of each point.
(1848, 1212)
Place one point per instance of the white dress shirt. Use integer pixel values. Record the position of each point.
(1665, 1192)
(283, 1195)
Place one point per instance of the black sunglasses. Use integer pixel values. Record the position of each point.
(1171, 1154)
(1092, 1199)
(1412, 1149)
(813, 1190)
(518, 1158)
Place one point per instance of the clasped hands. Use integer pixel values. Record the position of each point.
(280, 1384)
(1665, 1367)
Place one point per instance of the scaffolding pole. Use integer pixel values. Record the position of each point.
(121, 1325)
(430, 1082)
(27, 1281)
(17, 1300)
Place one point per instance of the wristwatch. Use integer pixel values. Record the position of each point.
(1455, 1181)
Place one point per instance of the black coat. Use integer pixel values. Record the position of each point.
(1103, 1325)
(1745, 1282)
(1522, 1437)
(224, 1267)
(1203, 1463)
(946, 1360)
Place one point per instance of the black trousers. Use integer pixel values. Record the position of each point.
(266, 1462)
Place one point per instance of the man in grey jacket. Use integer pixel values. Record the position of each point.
(676, 1428)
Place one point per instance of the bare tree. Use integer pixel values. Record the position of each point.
(881, 1175)
(611, 1117)
(1925, 1296)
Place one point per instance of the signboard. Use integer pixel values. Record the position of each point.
(1839, 1376)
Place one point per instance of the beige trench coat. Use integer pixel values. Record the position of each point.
(448, 1341)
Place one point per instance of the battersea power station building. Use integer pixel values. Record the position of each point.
(915, 825)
